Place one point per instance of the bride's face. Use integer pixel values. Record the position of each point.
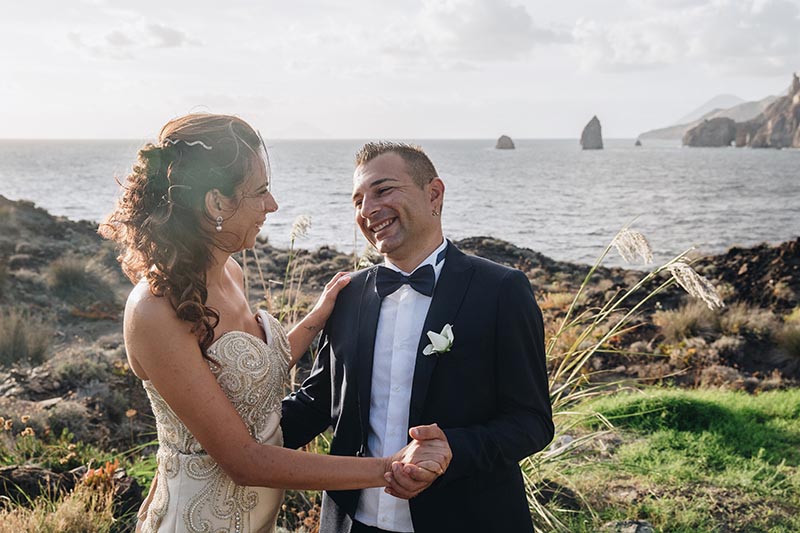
(253, 201)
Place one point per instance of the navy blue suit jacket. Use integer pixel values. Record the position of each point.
(489, 394)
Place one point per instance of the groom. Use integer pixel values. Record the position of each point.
(485, 384)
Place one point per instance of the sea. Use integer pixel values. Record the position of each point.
(547, 195)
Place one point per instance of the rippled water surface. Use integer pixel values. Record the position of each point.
(547, 194)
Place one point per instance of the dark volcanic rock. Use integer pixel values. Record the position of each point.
(765, 275)
(713, 133)
(504, 143)
(22, 484)
(592, 136)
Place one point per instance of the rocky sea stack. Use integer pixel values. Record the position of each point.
(592, 136)
(504, 143)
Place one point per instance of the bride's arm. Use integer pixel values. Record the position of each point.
(303, 332)
(164, 348)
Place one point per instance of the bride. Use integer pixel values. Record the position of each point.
(213, 371)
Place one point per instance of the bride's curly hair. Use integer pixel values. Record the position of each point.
(161, 222)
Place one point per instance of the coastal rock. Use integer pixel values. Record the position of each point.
(24, 483)
(746, 131)
(504, 143)
(637, 143)
(766, 276)
(713, 133)
(592, 136)
(779, 125)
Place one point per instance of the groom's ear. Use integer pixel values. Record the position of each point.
(436, 188)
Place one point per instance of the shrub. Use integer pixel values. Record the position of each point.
(789, 342)
(74, 418)
(80, 370)
(690, 320)
(22, 338)
(3, 277)
(84, 509)
(740, 319)
(80, 281)
(793, 317)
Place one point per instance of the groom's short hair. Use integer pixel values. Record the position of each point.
(418, 164)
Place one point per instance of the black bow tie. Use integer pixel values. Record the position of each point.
(421, 280)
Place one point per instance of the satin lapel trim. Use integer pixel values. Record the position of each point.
(368, 313)
(447, 299)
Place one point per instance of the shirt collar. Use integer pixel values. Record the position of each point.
(430, 260)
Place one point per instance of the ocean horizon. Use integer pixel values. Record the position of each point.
(547, 194)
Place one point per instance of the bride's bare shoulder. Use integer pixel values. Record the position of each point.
(145, 309)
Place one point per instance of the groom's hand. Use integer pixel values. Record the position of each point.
(420, 463)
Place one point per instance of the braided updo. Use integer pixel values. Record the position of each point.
(158, 221)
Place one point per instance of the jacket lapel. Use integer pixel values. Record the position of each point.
(447, 298)
(368, 313)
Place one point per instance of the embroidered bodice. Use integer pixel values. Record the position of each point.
(252, 374)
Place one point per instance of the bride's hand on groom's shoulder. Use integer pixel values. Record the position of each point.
(324, 306)
(420, 463)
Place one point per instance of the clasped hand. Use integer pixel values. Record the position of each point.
(412, 469)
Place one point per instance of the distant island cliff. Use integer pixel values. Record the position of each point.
(749, 117)
(778, 126)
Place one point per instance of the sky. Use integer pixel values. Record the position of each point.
(414, 69)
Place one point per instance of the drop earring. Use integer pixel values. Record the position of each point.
(219, 220)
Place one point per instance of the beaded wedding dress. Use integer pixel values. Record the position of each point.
(190, 492)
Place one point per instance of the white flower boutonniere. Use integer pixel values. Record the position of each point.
(440, 342)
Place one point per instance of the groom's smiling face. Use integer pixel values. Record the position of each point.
(393, 211)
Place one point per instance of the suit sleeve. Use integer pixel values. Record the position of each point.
(307, 412)
(523, 424)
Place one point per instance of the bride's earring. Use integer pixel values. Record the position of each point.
(219, 220)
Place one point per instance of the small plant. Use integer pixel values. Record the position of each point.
(102, 477)
(3, 277)
(80, 281)
(692, 319)
(82, 510)
(23, 338)
(741, 319)
(789, 342)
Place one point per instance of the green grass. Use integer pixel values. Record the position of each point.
(695, 461)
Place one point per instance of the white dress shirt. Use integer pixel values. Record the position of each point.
(400, 323)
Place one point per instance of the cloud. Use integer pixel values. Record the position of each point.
(121, 44)
(164, 37)
(626, 46)
(751, 37)
(463, 34)
(119, 39)
(483, 29)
